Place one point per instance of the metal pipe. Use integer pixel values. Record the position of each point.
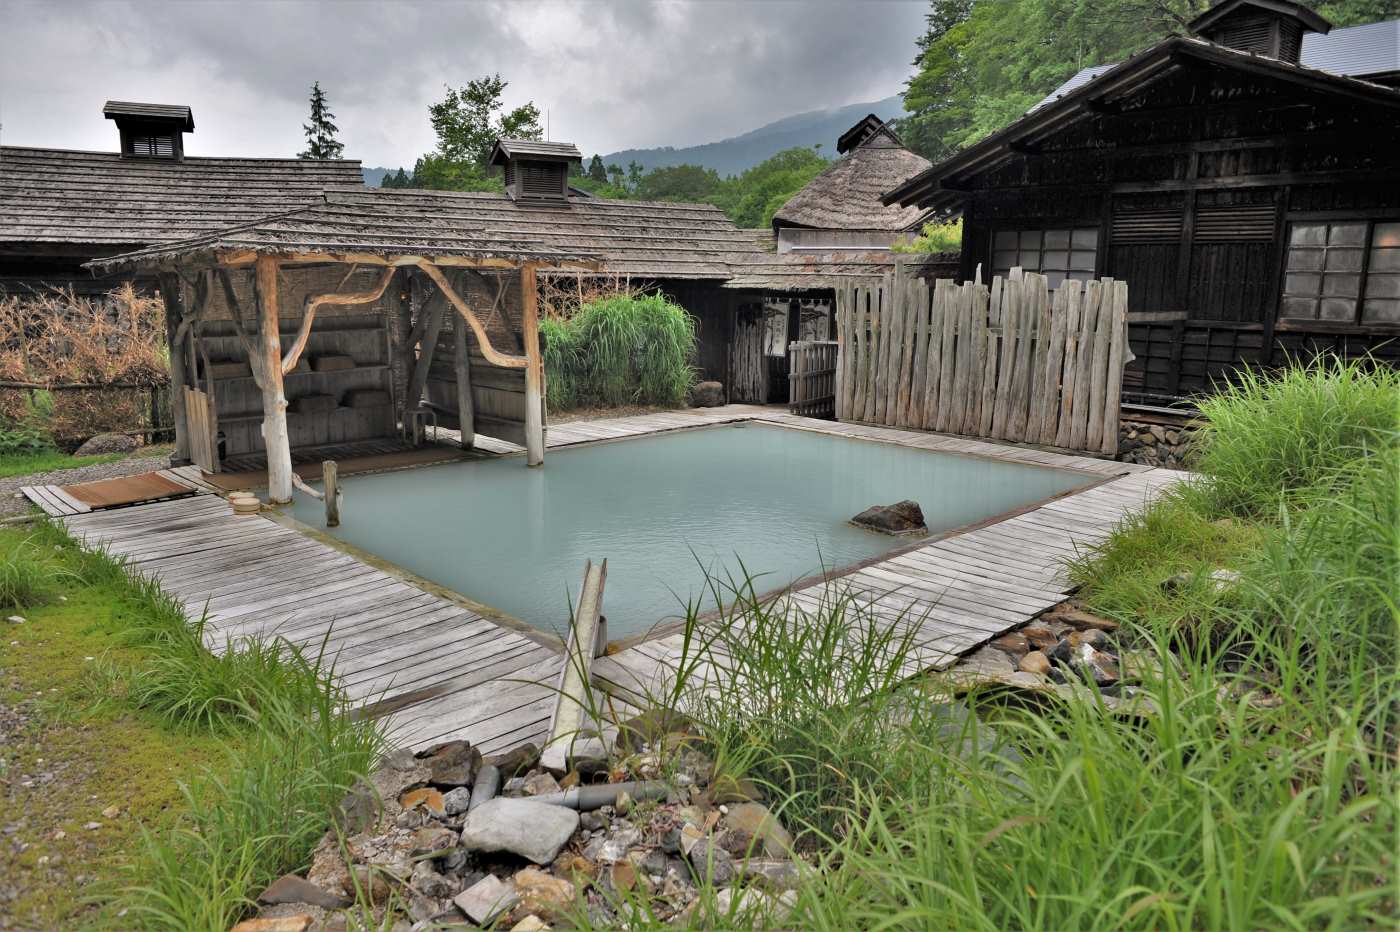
(587, 798)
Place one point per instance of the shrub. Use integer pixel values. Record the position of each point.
(627, 349)
(1270, 434)
(935, 238)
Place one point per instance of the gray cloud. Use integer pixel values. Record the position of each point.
(612, 75)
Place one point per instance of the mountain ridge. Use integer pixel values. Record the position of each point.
(735, 154)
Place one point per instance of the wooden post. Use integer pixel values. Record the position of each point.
(569, 718)
(173, 298)
(461, 364)
(268, 367)
(534, 369)
(330, 479)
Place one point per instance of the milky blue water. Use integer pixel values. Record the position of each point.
(662, 509)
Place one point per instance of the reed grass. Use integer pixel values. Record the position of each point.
(620, 350)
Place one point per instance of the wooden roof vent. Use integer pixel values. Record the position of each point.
(536, 172)
(150, 131)
(1263, 27)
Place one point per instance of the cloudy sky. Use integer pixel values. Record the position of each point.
(612, 74)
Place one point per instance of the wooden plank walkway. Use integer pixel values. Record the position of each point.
(437, 669)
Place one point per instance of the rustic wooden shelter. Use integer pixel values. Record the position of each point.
(311, 314)
(1251, 202)
(840, 209)
(60, 208)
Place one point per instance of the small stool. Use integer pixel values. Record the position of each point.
(415, 424)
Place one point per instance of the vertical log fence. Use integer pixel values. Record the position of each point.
(1010, 361)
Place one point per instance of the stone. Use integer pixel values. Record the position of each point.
(904, 517)
(654, 861)
(433, 840)
(430, 883)
(1094, 637)
(615, 847)
(425, 910)
(456, 800)
(710, 863)
(106, 444)
(1034, 662)
(486, 899)
(763, 826)
(773, 873)
(429, 799)
(289, 888)
(1014, 644)
(452, 764)
(543, 893)
(1040, 637)
(622, 876)
(1098, 665)
(736, 841)
(537, 831)
(594, 821)
(516, 761)
(372, 883)
(577, 868)
(738, 902)
(298, 923)
(357, 810)
(1061, 653)
(530, 924)
(487, 785)
(540, 784)
(650, 727)
(726, 789)
(1082, 621)
(707, 395)
(570, 780)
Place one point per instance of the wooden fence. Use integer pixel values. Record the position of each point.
(748, 374)
(812, 378)
(1008, 362)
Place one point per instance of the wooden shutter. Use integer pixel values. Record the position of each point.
(1147, 224)
(1235, 224)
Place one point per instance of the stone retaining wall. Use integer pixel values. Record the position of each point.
(1153, 443)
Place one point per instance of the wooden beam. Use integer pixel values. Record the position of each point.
(566, 724)
(461, 364)
(269, 361)
(244, 257)
(534, 370)
(427, 346)
(173, 296)
(313, 304)
(492, 355)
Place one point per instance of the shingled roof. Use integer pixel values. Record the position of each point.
(640, 239)
(103, 198)
(846, 195)
(795, 271)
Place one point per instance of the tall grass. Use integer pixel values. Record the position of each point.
(293, 750)
(626, 349)
(1269, 434)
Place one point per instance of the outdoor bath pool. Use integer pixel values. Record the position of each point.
(659, 508)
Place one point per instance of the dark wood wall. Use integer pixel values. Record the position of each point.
(1192, 186)
(43, 267)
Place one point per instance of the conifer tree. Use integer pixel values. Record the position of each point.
(320, 132)
(596, 171)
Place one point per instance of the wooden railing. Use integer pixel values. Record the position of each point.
(812, 378)
(1004, 361)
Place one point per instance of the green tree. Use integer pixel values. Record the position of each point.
(692, 183)
(615, 175)
(634, 175)
(320, 132)
(467, 121)
(397, 179)
(751, 198)
(596, 171)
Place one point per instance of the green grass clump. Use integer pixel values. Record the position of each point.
(1271, 434)
(619, 351)
(24, 464)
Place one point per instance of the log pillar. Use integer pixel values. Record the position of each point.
(462, 366)
(268, 368)
(534, 368)
(173, 297)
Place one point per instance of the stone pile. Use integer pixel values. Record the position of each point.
(1066, 652)
(444, 839)
(1154, 444)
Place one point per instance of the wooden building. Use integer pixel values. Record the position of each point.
(60, 208)
(841, 207)
(1251, 202)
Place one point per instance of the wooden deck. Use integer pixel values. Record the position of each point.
(438, 669)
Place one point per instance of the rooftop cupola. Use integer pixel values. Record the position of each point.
(866, 127)
(536, 172)
(151, 131)
(1264, 27)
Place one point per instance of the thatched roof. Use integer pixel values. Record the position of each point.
(103, 198)
(640, 239)
(846, 195)
(794, 271)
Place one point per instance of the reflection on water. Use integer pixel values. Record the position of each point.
(659, 509)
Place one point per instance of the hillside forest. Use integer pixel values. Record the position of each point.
(978, 65)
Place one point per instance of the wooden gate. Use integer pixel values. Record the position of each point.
(748, 372)
(201, 423)
(812, 378)
(1006, 361)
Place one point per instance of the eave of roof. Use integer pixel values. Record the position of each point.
(924, 189)
(1215, 14)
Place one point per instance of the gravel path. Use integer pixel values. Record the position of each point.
(12, 502)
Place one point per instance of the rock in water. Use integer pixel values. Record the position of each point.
(103, 444)
(537, 831)
(904, 517)
(707, 395)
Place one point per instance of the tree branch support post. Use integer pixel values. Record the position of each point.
(568, 723)
(330, 478)
(173, 298)
(268, 369)
(534, 367)
(462, 366)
